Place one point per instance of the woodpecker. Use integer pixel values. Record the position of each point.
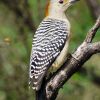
(50, 42)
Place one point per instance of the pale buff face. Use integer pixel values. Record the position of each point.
(58, 6)
(62, 4)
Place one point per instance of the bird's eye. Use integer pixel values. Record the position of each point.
(61, 1)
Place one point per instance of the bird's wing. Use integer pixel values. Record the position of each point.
(48, 42)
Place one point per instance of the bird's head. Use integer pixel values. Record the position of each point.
(59, 5)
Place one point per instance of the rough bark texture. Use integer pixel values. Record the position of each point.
(72, 65)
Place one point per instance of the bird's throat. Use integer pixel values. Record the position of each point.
(54, 12)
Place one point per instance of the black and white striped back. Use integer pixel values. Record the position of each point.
(47, 44)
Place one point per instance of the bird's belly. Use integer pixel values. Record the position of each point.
(62, 57)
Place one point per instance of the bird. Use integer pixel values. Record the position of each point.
(51, 42)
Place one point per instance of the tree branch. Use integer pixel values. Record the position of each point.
(96, 47)
(73, 63)
(92, 32)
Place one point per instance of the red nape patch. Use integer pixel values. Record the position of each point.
(47, 9)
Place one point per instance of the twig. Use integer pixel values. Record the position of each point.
(92, 32)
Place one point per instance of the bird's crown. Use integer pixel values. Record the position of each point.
(61, 5)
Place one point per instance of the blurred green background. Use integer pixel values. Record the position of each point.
(18, 22)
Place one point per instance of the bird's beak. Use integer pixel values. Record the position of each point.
(73, 1)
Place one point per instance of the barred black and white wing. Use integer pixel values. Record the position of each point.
(48, 42)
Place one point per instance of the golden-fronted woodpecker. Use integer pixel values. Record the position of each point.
(50, 42)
